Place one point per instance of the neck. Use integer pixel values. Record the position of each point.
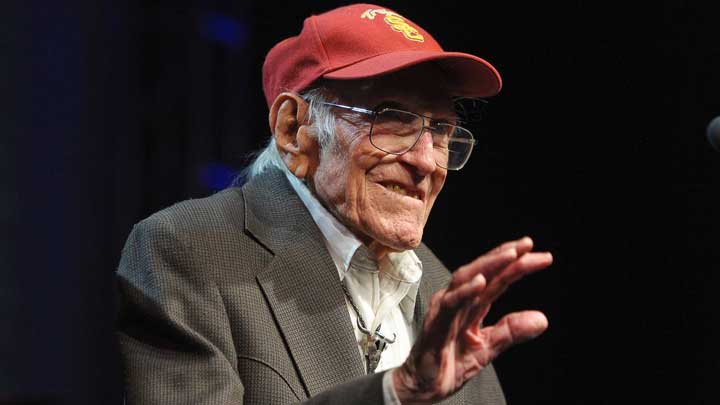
(379, 250)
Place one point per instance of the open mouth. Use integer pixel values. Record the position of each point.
(399, 189)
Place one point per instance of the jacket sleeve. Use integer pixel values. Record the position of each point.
(174, 334)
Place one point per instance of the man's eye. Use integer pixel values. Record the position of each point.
(442, 130)
(397, 116)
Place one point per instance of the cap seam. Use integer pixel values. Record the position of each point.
(319, 39)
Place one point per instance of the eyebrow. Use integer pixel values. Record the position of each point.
(389, 104)
(450, 113)
(448, 116)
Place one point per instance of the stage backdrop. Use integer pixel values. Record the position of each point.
(595, 147)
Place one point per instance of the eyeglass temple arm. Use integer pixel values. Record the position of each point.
(351, 108)
(461, 140)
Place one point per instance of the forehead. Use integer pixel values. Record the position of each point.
(421, 88)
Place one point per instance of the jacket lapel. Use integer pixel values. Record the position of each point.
(421, 302)
(301, 285)
(434, 277)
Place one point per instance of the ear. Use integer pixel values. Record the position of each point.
(294, 137)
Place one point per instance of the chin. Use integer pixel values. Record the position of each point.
(399, 236)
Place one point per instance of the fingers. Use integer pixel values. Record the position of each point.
(485, 264)
(509, 262)
(528, 263)
(522, 245)
(478, 284)
(506, 275)
(435, 304)
(512, 329)
(455, 296)
(493, 261)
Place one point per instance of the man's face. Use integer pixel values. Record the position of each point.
(383, 198)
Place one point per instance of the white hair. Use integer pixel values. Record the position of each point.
(320, 118)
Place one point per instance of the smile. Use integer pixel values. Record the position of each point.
(396, 188)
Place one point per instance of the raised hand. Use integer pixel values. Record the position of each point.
(454, 345)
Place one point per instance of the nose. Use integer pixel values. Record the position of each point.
(421, 156)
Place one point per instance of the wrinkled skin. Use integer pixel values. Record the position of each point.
(352, 184)
(351, 181)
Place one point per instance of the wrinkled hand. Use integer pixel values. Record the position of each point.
(453, 347)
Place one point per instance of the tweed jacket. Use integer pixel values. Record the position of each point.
(235, 299)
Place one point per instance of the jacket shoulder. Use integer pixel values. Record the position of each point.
(207, 235)
(201, 215)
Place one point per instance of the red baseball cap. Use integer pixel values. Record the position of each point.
(365, 40)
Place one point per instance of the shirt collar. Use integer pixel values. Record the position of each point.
(341, 243)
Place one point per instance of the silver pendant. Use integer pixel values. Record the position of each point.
(372, 357)
(375, 343)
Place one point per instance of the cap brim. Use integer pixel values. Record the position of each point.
(468, 75)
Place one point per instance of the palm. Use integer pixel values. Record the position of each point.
(453, 346)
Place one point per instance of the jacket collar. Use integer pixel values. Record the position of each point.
(301, 284)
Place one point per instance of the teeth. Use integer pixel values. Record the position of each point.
(400, 190)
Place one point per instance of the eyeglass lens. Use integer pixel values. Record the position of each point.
(397, 131)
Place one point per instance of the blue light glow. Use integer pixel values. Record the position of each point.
(224, 29)
(216, 176)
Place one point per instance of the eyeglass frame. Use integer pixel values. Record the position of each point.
(374, 114)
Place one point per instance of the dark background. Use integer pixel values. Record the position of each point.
(113, 110)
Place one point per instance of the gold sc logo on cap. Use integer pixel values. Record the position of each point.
(396, 21)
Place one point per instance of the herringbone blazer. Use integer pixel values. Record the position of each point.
(235, 299)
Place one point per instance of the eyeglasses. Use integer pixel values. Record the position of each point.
(396, 132)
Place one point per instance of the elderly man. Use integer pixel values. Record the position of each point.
(310, 281)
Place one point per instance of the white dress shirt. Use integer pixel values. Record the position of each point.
(385, 297)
